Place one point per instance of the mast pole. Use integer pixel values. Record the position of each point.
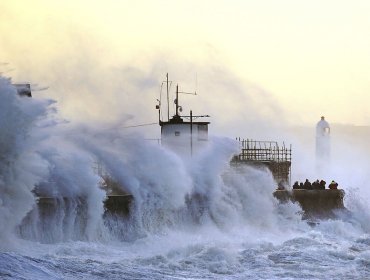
(191, 133)
(168, 100)
(177, 100)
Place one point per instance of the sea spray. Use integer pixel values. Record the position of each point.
(179, 192)
(72, 190)
(191, 218)
(237, 195)
(155, 177)
(73, 179)
(358, 212)
(36, 157)
(170, 191)
(21, 167)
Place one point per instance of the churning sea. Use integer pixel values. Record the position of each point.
(230, 228)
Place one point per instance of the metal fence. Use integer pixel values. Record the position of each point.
(277, 158)
(252, 150)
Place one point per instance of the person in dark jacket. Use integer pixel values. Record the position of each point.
(296, 185)
(322, 185)
(307, 185)
(316, 185)
(301, 186)
(333, 185)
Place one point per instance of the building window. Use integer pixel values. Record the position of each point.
(177, 133)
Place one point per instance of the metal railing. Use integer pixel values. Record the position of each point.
(277, 158)
(252, 150)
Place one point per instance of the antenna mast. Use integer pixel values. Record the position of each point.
(177, 100)
(168, 100)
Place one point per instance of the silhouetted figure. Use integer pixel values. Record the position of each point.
(322, 185)
(316, 185)
(333, 185)
(301, 186)
(296, 185)
(307, 185)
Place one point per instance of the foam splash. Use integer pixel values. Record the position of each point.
(21, 167)
(171, 192)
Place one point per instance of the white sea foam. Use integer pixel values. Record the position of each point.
(21, 167)
(193, 217)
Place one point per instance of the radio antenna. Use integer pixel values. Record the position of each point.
(168, 100)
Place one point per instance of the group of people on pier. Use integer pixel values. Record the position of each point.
(316, 185)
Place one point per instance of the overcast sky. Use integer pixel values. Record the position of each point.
(259, 62)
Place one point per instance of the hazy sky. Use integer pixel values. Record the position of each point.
(251, 62)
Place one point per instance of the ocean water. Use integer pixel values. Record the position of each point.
(231, 228)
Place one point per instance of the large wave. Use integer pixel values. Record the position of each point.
(195, 217)
(21, 167)
(41, 155)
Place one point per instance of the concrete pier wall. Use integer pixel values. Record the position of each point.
(118, 204)
(314, 203)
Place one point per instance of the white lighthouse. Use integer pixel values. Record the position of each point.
(322, 146)
(181, 133)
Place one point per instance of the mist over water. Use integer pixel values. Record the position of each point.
(191, 218)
